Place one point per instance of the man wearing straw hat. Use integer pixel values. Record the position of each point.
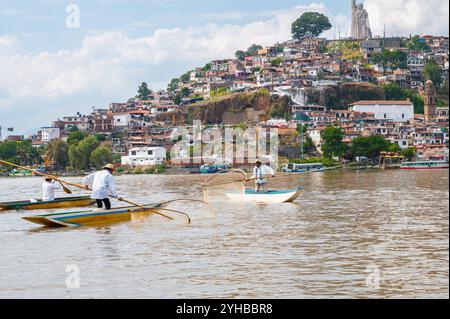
(102, 184)
(261, 171)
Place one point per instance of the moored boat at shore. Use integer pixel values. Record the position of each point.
(424, 165)
(64, 202)
(271, 196)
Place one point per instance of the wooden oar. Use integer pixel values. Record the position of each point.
(66, 190)
(87, 188)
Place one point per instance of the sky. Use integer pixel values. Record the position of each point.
(60, 57)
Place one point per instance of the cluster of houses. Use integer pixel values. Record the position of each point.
(284, 69)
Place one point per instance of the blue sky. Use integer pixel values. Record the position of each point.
(48, 70)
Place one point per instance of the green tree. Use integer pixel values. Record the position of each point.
(240, 55)
(8, 150)
(57, 152)
(253, 50)
(26, 153)
(332, 142)
(80, 154)
(186, 77)
(144, 92)
(207, 67)
(75, 136)
(416, 44)
(86, 147)
(432, 72)
(178, 98)
(395, 59)
(185, 92)
(370, 147)
(101, 156)
(276, 62)
(75, 157)
(409, 153)
(173, 85)
(310, 25)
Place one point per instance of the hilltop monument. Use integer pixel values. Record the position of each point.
(360, 22)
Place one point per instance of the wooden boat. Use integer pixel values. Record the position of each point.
(272, 196)
(64, 202)
(90, 217)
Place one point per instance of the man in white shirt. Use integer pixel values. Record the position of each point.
(261, 171)
(48, 190)
(102, 185)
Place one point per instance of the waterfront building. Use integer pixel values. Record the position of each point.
(145, 156)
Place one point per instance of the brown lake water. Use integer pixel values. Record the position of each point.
(371, 234)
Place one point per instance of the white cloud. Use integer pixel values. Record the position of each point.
(408, 16)
(108, 66)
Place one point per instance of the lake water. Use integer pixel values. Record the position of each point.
(364, 234)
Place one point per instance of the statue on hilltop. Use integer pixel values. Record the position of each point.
(360, 22)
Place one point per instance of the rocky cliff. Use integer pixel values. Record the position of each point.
(231, 109)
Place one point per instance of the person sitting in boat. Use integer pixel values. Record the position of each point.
(260, 172)
(102, 184)
(48, 190)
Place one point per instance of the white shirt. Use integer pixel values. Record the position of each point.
(260, 172)
(48, 191)
(102, 184)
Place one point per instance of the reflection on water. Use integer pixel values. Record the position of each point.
(357, 234)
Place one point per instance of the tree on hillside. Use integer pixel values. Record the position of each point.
(333, 146)
(253, 49)
(240, 55)
(144, 92)
(310, 25)
(416, 44)
(186, 77)
(432, 72)
(173, 85)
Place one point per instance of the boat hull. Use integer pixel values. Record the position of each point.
(57, 203)
(285, 196)
(90, 217)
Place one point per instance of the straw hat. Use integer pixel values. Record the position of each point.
(258, 161)
(110, 166)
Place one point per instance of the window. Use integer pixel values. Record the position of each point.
(133, 153)
(150, 152)
(385, 115)
(403, 116)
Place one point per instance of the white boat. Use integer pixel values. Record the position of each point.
(272, 196)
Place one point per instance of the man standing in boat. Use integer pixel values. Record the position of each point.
(103, 186)
(260, 172)
(48, 190)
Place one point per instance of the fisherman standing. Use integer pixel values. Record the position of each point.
(102, 185)
(48, 190)
(260, 172)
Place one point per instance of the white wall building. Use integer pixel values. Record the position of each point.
(145, 156)
(50, 133)
(121, 119)
(397, 111)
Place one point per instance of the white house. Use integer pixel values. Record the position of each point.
(145, 156)
(397, 111)
(50, 133)
(121, 119)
